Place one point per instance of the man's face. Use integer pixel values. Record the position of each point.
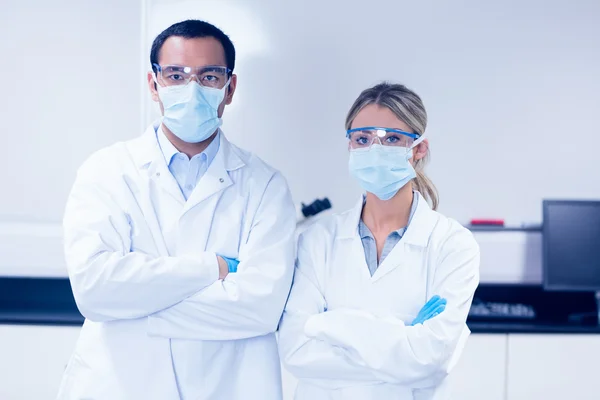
(199, 52)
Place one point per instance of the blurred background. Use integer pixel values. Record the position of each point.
(512, 90)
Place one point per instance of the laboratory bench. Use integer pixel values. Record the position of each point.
(49, 301)
(518, 359)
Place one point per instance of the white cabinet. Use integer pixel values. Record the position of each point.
(479, 374)
(553, 367)
(32, 360)
(492, 367)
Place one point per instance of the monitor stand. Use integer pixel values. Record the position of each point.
(588, 318)
(598, 305)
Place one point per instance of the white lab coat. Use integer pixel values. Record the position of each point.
(142, 264)
(346, 334)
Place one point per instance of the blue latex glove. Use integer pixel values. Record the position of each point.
(433, 307)
(232, 263)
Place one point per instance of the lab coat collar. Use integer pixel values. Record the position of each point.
(417, 233)
(145, 150)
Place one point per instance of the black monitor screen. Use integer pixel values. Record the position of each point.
(571, 245)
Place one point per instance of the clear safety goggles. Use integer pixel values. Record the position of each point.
(363, 138)
(212, 76)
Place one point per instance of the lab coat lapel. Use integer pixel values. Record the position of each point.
(348, 234)
(146, 156)
(216, 179)
(160, 174)
(407, 253)
(152, 161)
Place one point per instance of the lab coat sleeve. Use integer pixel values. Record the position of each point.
(417, 356)
(111, 282)
(305, 357)
(247, 303)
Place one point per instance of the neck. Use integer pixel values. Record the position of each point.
(189, 149)
(386, 216)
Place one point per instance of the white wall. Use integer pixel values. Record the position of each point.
(71, 83)
(512, 89)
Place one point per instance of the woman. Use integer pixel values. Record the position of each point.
(349, 329)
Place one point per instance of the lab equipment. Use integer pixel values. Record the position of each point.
(432, 308)
(137, 254)
(306, 215)
(191, 111)
(571, 246)
(487, 222)
(356, 343)
(315, 207)
(499, 310)
(381, 170)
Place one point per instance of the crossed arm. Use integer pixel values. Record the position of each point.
(331, 346)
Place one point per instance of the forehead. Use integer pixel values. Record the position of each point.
(375, 115)
(196, 52)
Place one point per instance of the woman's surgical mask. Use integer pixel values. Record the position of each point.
(380, 159)
(191, 110)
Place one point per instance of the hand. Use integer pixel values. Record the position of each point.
(226, 266)
(433, 307)
(223, 267)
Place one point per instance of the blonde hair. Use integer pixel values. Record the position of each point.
(408, 107)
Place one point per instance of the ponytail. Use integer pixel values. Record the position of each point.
(424, 185)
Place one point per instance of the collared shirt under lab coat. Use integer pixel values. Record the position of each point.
(346, 334)
(143, 268)
(368, 241)
(187, 172)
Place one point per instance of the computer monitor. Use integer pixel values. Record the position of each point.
(571, 245)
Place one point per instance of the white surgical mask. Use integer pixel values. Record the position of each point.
(382, 170)
(191, 111)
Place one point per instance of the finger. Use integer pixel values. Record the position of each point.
(438, 310)
(434, 302)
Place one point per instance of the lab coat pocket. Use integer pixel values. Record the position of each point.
(226, 230)
(141, 240)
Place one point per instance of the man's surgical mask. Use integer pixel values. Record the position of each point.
(191, 111)
(382, 170)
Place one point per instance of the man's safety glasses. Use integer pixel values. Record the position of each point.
(213, 76)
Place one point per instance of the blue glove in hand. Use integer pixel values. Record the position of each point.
(232, 263)
(434, 306)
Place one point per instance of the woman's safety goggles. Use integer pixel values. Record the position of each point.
(363, 138)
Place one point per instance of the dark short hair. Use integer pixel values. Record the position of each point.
(192, 29)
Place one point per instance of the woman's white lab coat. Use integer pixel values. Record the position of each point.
(346, 334)
(142, 264)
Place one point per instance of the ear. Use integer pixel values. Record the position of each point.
(152, 86)
(421, 150)
(231, 89)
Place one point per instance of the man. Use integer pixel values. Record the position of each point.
(154, 229)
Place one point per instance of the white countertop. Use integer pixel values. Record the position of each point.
(36, 250)
(31, 249)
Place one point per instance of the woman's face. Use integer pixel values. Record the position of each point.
(375, 115)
